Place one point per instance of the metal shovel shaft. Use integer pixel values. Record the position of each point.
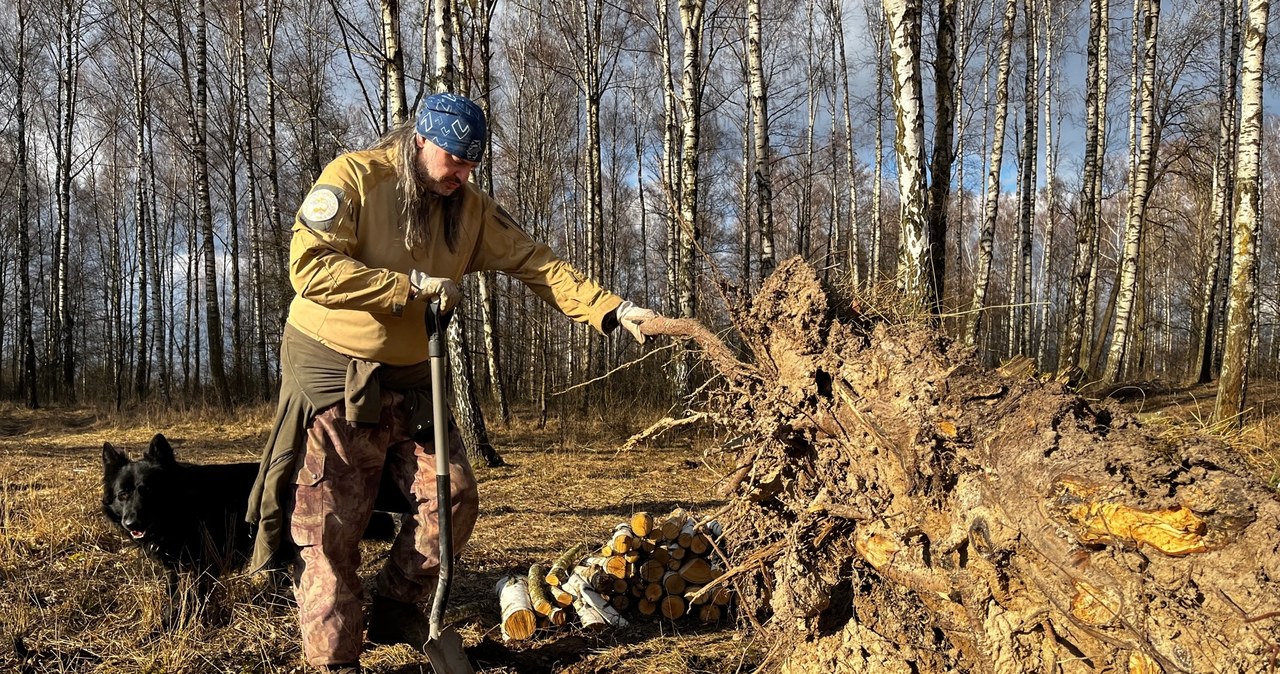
(443, 647)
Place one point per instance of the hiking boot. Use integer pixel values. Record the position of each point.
(397, 622)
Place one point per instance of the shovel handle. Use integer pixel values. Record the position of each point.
(437, 322)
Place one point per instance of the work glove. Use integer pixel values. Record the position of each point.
(427, 288)
(631, 316)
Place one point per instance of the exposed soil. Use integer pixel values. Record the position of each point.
(898, 508)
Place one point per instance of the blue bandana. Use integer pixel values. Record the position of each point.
(454, 123)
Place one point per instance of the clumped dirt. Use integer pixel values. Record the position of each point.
(897, 508)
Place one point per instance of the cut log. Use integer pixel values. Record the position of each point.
(593, 610)
(642, 524)
(672, 583)
(672, 524)
(623, 539)
(647, 607)
(652, 571)
(518, 618)
(560, 569)
(654, 591)
(709, 613)
(906, 509)
(697, 571)
(673, 607)
(537, 584)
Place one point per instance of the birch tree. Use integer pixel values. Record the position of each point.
(1020, 314)
(760, 135)
(1080, 307)
(1241, 310)
(991, 199)
(691, 83)
(904, 17)
(1222, 186)
(28, 382)
(943, 149)
(71, 14)
(1141, 191)
(393, 61)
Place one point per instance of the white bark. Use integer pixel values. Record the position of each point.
(991, 202)
(1141, 190)
(1241, 310)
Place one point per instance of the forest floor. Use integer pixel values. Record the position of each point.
(76, 597)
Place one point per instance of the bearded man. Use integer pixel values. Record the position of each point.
(382, 232)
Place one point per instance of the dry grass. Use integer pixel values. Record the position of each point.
(76, 597)
(1255, 435)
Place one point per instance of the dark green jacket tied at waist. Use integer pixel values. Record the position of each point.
(314, 377)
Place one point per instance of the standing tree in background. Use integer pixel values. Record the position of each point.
(1020, 315)
(691, 83)
(854, 246)
(1140, 192)
(760, 135)
(1241, 306)
(944, 94)
(1074, 349)
(393, 61)
(904, 18)
(1206, 344)
(69, 58)
(991, 201)
(28, 381)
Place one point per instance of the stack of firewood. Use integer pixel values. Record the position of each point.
(649, 567)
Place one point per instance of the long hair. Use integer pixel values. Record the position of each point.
(415, 189)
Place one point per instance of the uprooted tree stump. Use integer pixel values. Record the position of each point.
(897, 508)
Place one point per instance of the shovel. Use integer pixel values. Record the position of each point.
(444, 645)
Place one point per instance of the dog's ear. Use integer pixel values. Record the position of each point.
(160, 451)
(112, 459)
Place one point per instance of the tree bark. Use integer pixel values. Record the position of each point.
(1137, 212)
(1241, 309)
(760, 135)
(991, 201)
(393, 61)
(904, 18)
(28, 382)
(944, 93)
(1223, 186)
(1020, 315)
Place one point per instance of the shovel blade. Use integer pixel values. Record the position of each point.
(447, 655)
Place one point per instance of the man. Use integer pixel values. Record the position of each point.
(383, 232)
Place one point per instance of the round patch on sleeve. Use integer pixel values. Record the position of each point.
(320, 207)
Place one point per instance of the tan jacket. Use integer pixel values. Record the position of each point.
(349, 265)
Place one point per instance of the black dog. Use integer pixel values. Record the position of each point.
(189, 518)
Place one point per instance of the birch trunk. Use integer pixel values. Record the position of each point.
(991, 200)
(1079, 310)
(691, 82)
(1051, 191)
(393, 61)
(200, 146)
(1223, 186)
(879, 29)
(71, 20)
(260, 383)
(943, 150)
(136, 25)
(1141, 181)
(904, 18)
(760, 136)
(1241, 310)
(1020, 331)
(445, 75)
(855, 241)
(28, 384)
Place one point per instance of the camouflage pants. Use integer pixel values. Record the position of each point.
(334, 488)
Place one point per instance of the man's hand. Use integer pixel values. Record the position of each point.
(427, 288)
(631, 316)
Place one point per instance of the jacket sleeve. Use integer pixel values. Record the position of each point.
(504, 246)
(325, 233)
